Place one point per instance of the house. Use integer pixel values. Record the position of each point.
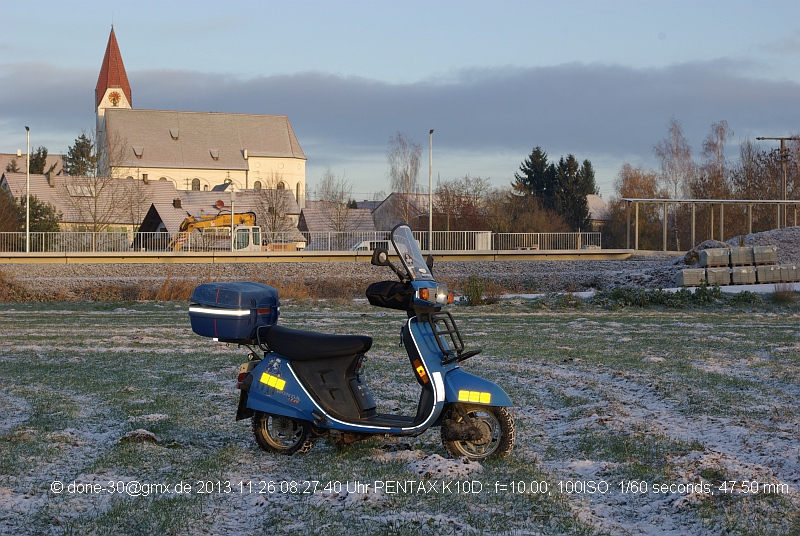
(56, 161)
(329, 226)
(598, 212)
(90, 203)
(193, 150)
(397, 208)
(167, 217)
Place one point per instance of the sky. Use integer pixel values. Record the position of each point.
(597, 79)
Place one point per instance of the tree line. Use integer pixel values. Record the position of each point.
(543, 197)
(754, 175)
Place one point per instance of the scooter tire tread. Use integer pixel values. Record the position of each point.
(506, 440)
(305, 441)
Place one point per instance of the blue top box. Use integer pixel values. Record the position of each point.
(233, 312)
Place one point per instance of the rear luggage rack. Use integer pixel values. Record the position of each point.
(449, 338)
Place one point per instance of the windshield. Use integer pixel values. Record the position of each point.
(410, 255)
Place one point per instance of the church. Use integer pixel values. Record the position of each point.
(193, 150)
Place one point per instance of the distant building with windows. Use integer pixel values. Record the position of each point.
(193, 150)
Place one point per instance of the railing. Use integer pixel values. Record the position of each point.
(85, 242)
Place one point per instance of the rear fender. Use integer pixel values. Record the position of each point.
(467, 388)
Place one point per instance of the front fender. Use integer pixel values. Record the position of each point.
(460, 386)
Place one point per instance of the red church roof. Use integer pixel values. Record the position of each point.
(112, 73)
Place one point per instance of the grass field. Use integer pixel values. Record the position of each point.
(629, 421)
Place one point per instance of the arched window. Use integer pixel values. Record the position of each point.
(257, 186)
(196, 184)
(299, 193)
(281, 186)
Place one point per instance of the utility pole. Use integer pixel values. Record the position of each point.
(28, 193)
(430, 193)
(783, 155)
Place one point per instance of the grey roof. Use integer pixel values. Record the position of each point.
(61, 191)
(314, 219)
(598, 208)
(6, 158)
(200, 140)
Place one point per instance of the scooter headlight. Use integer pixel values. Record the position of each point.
(438, 295)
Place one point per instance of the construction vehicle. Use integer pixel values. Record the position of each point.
(213, 232)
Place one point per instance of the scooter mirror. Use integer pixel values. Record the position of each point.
(380, 257)
(429, 262)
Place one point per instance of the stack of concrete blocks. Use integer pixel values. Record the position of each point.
(739, 266)
(742, 270)
(766, 260)
(717, 262)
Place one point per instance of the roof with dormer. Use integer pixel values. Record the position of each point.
(200, 140)
(112, 72)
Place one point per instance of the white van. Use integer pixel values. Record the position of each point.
(372, 245)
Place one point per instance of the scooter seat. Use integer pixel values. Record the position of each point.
(307, 345)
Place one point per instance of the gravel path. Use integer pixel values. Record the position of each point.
(651, 270)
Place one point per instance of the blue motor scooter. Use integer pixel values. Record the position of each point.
(308, 385)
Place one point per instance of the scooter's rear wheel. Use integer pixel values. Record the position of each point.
(491, 430)
(282, 435)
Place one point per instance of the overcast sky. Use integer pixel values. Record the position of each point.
(599, 79)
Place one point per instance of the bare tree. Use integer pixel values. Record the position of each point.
(459, 204)
(403, 155)
(273, 204)
(678, 170)
(334, 195)
(676, 160)
(99, 199)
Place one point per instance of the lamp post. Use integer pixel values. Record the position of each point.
(430, 193)
(28, 193)
(233, 196)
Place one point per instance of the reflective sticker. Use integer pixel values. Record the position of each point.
(474, 396)
(273, 381)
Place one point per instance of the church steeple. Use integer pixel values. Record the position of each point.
(113, 89)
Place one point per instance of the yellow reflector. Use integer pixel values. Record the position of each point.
(273, 381)
(475, 396)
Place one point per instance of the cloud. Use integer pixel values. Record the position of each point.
(610, 111)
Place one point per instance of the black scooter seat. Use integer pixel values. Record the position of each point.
(307, 345)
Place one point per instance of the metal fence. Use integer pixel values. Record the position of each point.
(85, 242)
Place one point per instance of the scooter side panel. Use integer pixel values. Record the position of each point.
(467, 388)
(275, 390)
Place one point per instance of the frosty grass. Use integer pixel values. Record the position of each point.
(639, 421)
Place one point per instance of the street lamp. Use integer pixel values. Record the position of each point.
(430, 194)
(233, 196)
(28, 194)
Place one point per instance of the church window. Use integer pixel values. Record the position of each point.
(281, 186)
(196, 184)
(257, 186)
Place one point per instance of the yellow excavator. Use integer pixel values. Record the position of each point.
(211, 230)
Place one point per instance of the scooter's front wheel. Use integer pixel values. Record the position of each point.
(477, 432)
(282, 435)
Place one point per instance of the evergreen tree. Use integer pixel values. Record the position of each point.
(12, 167)
(537, 178)
(81, 159)
(561, 187)
(43, 215)
(38, 160)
